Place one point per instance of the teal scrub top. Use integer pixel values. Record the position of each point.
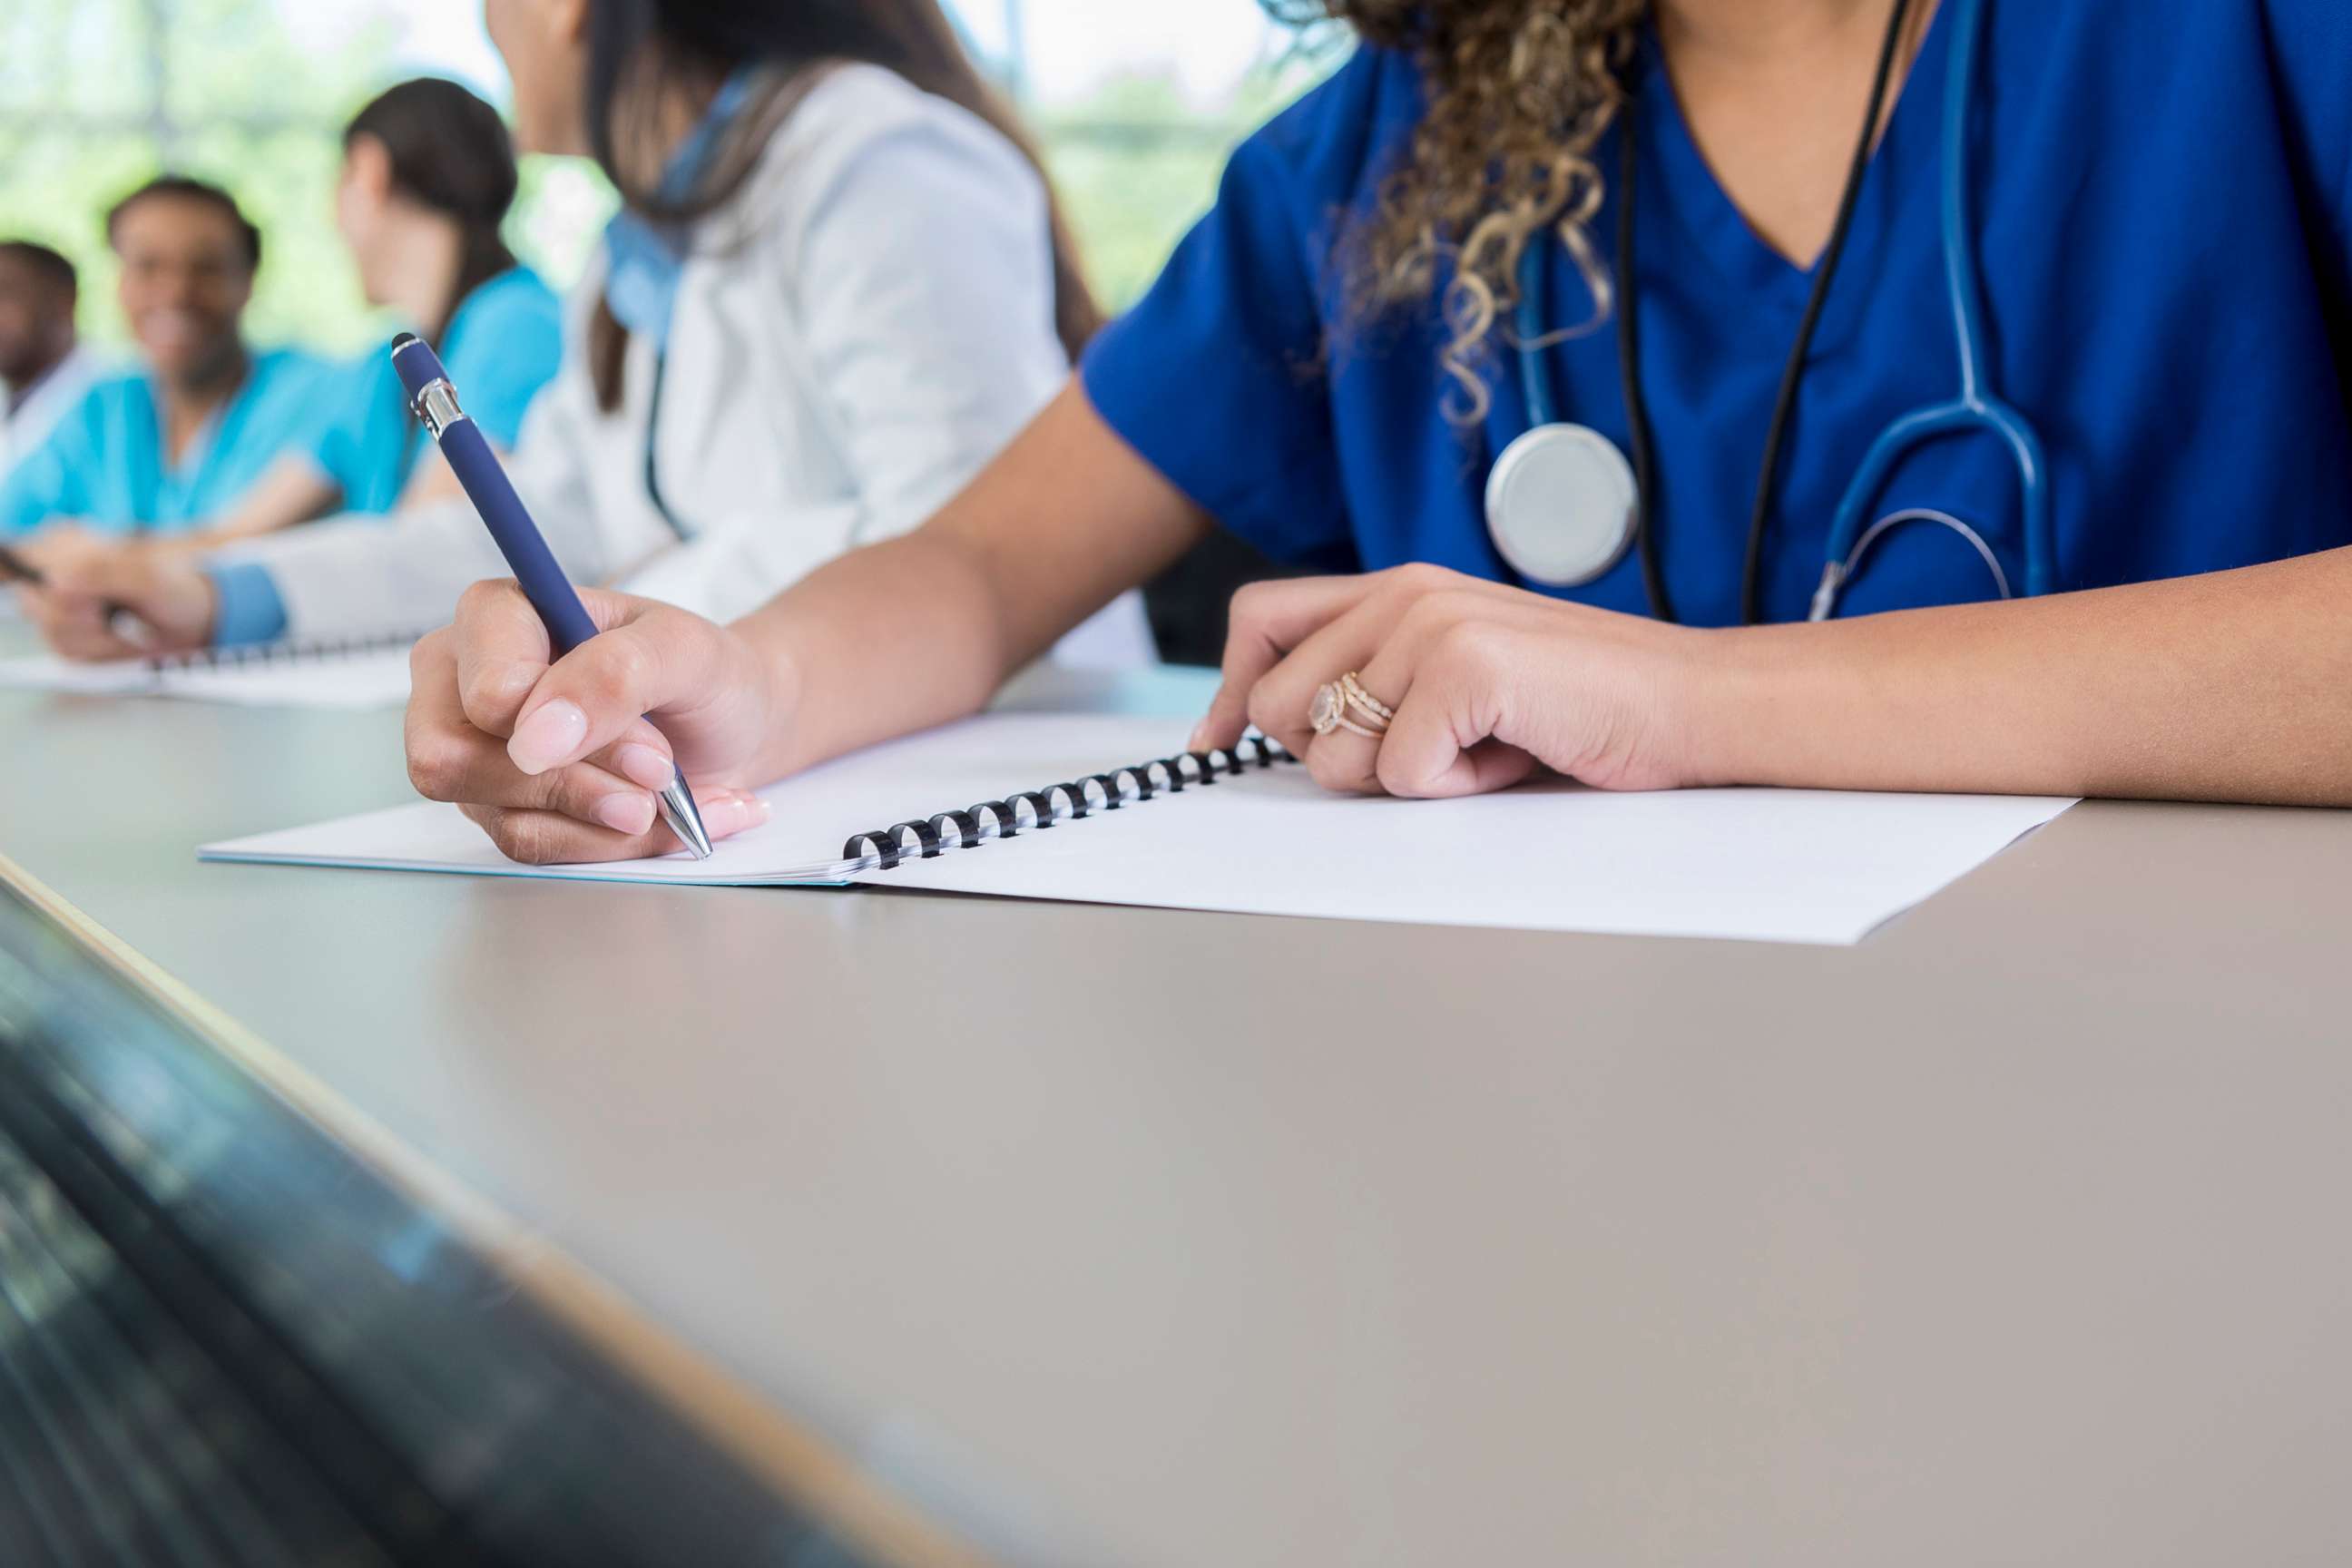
(500, 347)
(104, 466)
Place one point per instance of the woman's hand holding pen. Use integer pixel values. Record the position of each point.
(557, 763)
(1481, 685)
(1484, 684)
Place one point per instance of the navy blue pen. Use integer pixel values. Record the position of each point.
(542, 581)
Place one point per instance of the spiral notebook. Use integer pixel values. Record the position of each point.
(348, 672)
(1038, 805)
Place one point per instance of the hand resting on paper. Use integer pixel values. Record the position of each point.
(557, 763)
(1485, 684)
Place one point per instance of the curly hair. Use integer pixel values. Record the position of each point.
(1519, 92)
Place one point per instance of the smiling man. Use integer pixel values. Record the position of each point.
(159, 450)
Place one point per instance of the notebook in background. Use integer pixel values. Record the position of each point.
(1762, 865)
(354, 673)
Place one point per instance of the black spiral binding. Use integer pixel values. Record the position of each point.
(1060, 802)
(270, 654)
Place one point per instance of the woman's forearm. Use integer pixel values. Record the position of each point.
(886, 640)
(293, 492)
(919, 630)
(2235, 685)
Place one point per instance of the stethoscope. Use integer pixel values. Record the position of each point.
(1564, 505)
(643, 263)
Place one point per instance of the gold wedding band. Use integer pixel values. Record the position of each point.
(1351, 687)
(1328, 709)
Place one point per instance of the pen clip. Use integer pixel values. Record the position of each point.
(436, 405)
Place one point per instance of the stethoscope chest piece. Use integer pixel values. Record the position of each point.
(1561, 505)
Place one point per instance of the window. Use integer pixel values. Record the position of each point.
(1136, 102)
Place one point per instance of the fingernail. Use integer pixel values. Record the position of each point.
(548, 737)
(1200, 740)
(641, 764)
(729, 814)
(630, 814)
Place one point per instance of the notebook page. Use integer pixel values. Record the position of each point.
(1761, 864)
(374, 679)
(815, 814)
(43, 673)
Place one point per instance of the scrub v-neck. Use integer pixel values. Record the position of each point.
(1685, 185)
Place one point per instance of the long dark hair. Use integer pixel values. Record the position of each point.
(634, 45)
(452, 154)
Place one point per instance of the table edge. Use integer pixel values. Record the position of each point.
(740, 1424)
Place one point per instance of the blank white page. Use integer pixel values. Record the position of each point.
(45, 672)
(1765, 865)
(377, 677)
(373, 677)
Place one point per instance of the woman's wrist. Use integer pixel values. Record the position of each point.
(1896, 701)
(1744, 713)
(777, 669)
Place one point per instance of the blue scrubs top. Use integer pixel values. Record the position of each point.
(500, 347)
(2165, 226)
(104, 463)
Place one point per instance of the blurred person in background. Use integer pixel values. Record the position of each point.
(428, 175)
(838, 286)
(160, 449)
(44, 370)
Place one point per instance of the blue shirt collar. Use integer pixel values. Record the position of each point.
(644, 258)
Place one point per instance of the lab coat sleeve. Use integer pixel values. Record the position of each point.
(915, 263)
(925, 275)
(367, 576)
(739, 564)
(912, 257)
(740, 561)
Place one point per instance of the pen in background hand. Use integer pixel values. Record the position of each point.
(119, 621)
(518, 540)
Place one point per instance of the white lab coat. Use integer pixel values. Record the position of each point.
(860, 331)
(51, 399)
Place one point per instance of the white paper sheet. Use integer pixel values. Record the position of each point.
(1763, 864)
(375, 678)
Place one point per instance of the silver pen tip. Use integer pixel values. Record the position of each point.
(685, 819)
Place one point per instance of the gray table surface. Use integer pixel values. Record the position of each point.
(2015, 1235)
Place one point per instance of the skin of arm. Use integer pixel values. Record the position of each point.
(919, 630)
(2232, 686)
(295, 492)
(2235, 685)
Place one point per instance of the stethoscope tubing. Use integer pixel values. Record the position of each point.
(1977, 408)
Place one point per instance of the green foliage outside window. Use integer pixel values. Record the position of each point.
(97, 95)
